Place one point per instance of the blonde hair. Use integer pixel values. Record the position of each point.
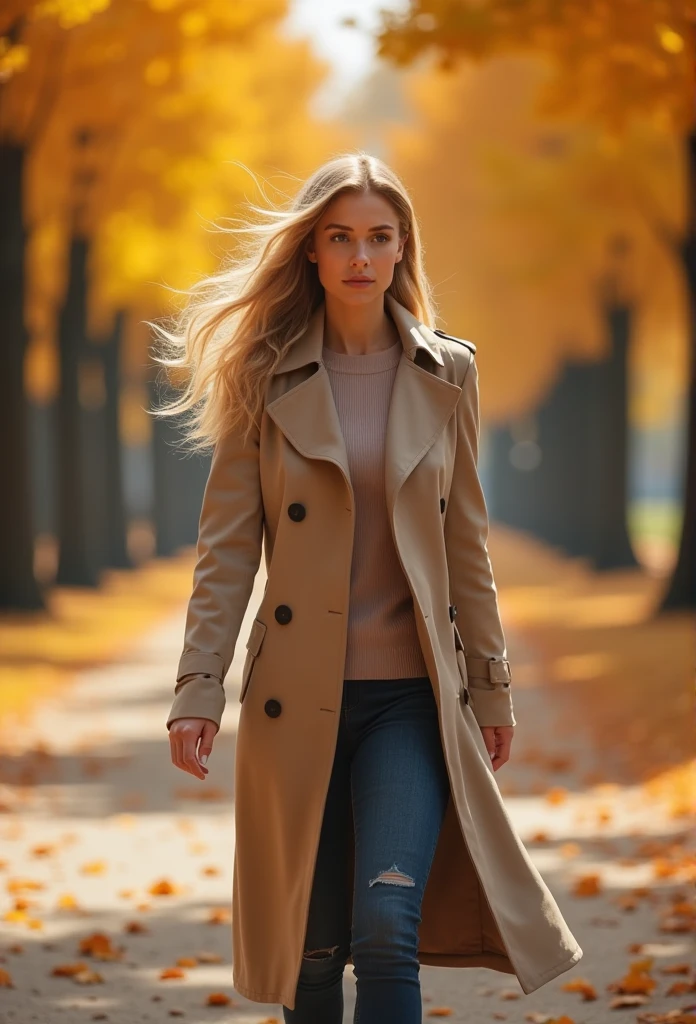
(238, 324)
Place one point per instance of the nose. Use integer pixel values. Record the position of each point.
(360, 256)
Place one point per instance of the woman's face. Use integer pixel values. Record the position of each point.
(357, 235)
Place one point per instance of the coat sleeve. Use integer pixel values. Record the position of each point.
(228, 555)
(472, 586)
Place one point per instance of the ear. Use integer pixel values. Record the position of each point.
(400, 251)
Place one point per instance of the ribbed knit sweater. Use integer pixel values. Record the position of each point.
(382, 638)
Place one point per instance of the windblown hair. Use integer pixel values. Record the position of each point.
(238, 323)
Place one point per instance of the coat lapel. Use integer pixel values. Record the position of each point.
(421, 402)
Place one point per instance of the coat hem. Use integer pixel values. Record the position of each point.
(491, 961)
(551, 973)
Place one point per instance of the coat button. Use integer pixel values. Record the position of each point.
(442, 504)
(272, 708)
(283, 614)
(297, 511)
(452, 612)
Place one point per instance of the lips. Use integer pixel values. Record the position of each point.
(359, 279)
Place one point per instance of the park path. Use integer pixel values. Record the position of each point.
(92, 808)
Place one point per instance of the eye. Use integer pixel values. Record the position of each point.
(341, 234)
(382, 235)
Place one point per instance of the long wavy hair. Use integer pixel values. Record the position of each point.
(238, 323)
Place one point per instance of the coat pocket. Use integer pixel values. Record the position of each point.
(461, 665)
(256, 635)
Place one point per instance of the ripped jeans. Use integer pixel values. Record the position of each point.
(389, 766)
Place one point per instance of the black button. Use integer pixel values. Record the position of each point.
(442, 504)
(452, 612)
(272, 708)
(297, 511)
(283, 614)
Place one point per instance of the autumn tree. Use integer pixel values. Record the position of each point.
(611, 65)
(136, 109)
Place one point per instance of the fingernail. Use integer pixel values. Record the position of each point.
(203, 759)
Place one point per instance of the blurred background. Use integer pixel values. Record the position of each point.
(550, 150)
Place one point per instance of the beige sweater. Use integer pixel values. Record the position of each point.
(382, 638)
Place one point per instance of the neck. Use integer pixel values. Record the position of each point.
(358, 330)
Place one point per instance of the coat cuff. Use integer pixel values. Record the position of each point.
(489, 691)
(198, 696)
(200, 663)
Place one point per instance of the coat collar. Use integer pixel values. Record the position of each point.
(421, 402)
(414, 336)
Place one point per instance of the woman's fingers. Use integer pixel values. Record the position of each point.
(206, 745)
(184, 736)
(498, 740)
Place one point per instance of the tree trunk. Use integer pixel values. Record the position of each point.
(608, 420)
(116, 526)
(78, 560)
(576, 497)
(19, 588)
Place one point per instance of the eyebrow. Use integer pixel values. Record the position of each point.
(344, 227)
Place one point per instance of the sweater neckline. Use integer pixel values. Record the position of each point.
(369, 362)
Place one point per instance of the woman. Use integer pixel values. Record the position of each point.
(375, 694)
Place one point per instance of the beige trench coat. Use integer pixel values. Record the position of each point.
(485, 903)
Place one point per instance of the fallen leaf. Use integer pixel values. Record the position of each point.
(218, 999)
(619, 1001)
(99, 946)
(93, 867)
(581, 985)
(587, 885)
(172, 972)
(187, 961)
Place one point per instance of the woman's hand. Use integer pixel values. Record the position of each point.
(498, 740)
(184, 734)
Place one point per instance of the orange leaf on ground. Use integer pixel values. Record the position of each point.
(556, 795)
(43, 850)
(67, 902)
(219, 915)
(99, 946)
(135, 927)
(636, 981)
(163, 888)
(587, 885)
(88, 977)
(67, 970)
(581, 985)
(15, 884)
(172, 972)
(5, 979)
(218, 999)
(93, 867)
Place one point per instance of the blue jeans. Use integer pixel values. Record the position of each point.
(389, 766)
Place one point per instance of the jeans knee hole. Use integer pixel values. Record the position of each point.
(393, 877)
